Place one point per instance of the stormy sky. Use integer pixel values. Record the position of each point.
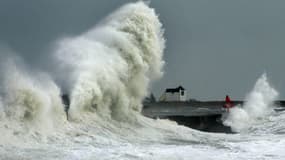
(213, 48)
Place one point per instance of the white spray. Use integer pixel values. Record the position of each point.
(2, 114)
(258, 104)
(108, 68)
(31, 101)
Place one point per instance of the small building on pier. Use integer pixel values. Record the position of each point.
(174, 95)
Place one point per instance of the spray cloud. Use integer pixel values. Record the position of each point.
(108, 68)
(28, 97)
(258, 104)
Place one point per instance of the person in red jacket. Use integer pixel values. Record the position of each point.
(228, 103)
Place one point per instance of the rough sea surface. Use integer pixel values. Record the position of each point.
(107, 72)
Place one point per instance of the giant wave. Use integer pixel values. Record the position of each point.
(107, 71)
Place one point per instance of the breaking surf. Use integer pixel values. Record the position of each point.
(107, 72)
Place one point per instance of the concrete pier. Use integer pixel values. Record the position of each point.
(204, 116)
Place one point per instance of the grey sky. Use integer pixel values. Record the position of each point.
(213, 47)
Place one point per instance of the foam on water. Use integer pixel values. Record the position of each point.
(107, 71)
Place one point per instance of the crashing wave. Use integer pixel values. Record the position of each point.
(258, 105)
(108, 68)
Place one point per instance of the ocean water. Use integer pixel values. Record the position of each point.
(107, 71)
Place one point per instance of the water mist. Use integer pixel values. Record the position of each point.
(258, 104)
